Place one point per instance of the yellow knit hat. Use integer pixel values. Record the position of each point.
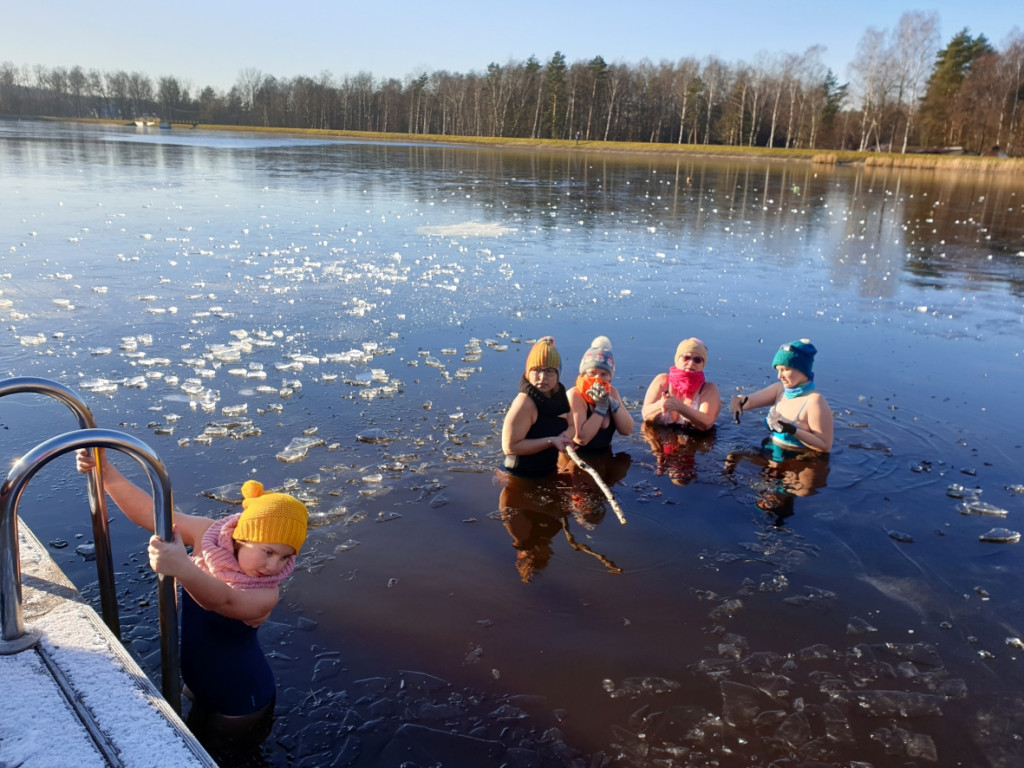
(544, 355)
(271, 518)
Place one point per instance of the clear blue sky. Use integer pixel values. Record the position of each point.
(210, 42)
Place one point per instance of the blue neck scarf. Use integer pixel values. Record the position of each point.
(799, 390)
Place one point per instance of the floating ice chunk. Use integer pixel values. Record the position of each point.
(235, 410)
(99, 386)
(957, 491)
(32, 341)
(981, 508)
(363, 379)
(634, 687)
(858, 626)
(97, 351)
(372, 436)
(226, 353)
(908, 704)
(137, 382)
(297, 449)
(1000, 536)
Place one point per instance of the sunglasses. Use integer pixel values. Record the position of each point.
(693, 359)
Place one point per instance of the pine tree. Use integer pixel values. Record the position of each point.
(952, 64)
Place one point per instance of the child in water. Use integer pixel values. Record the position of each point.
(229, 588)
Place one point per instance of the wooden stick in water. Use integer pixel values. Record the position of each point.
(597, 479)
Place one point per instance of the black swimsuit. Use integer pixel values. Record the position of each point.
(550, 422)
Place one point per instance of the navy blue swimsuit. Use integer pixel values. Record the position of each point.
(222, 662)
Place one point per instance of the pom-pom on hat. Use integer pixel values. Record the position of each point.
(798, 355)
(544, 355)
(599, 356)
(691, 346)
(270, 518)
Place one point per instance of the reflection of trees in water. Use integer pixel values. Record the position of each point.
(534, 511)
(958, 226)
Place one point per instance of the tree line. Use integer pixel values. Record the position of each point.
(905, 93)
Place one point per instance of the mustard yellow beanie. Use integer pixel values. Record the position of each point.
(271, 518)
(544, 355)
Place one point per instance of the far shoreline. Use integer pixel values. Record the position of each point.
(912, 160)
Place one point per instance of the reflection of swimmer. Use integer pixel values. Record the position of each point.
(588, 502)
(675, 450)
(535, 511)
(782, 480)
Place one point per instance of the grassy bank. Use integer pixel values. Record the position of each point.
(924, 162)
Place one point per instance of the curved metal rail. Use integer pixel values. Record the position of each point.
(97, 499)
(11, 616)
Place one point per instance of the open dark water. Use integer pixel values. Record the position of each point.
(350, 320)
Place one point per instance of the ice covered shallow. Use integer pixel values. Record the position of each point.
(350, 321)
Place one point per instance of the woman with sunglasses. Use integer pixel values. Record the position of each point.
(683, 396)
(800, 417)
(537, 426)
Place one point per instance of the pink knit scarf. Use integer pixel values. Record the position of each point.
(217, 558)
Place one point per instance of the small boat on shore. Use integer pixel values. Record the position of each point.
(145, 122)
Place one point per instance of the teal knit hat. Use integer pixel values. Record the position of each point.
(798, 355)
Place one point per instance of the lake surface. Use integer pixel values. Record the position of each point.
(350, 320)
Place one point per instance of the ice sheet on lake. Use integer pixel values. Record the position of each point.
(468, 229)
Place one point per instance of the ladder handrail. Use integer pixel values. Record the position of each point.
(97, 498)
(11, 615)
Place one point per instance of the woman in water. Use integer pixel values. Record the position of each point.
(597, 409)
(537, 425)
(683, 396)
(799, 418)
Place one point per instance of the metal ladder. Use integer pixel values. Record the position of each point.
(13, 635)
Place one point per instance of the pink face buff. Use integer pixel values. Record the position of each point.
(685, 384)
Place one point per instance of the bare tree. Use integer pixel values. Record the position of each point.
(915, 41)
(687, 73)
(871, 81)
